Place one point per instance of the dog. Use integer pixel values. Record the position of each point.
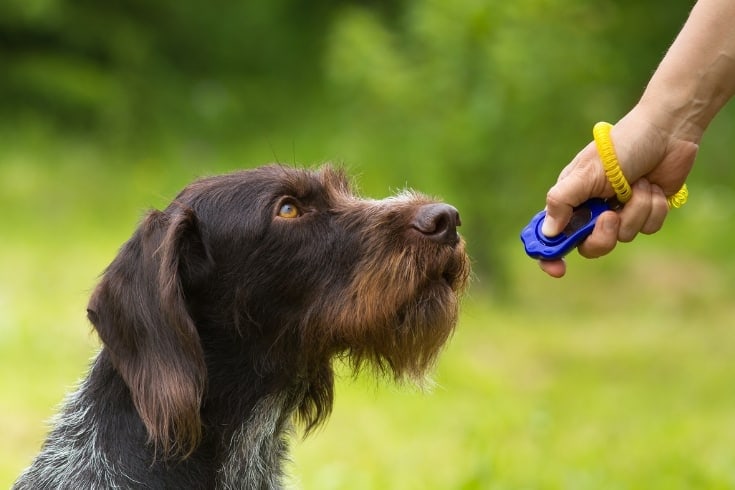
(221, 317)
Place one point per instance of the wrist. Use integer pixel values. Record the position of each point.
(649, 145)
(675, 112)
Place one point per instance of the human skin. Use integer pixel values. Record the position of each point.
(657, 141)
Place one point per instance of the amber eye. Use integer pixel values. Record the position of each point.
(289, 210)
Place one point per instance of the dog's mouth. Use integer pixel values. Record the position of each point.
(444, 278)
(442, 285)
(450, 278)
(454, 272)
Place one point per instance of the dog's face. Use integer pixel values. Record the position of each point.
(285, 262)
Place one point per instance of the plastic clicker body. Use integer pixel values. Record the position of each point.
(584, 217)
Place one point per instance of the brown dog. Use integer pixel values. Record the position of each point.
(221, 316)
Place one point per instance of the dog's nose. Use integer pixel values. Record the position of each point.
(438, 222)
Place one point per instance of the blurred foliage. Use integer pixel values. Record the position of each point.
(480, 102)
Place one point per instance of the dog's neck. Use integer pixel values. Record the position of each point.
(250, 449)
(259, 446)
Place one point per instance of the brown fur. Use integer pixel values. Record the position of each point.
(221, 317)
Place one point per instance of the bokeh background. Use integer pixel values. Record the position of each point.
(618, 376)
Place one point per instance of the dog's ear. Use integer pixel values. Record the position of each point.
(140, 313)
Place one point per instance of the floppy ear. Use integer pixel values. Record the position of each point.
(140, 313)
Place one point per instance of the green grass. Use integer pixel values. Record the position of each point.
(534, 395)
(616, 377)
(602, 399)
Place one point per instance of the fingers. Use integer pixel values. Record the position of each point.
(644, 213)
(603, 238)
(659, 211)
(554, 268)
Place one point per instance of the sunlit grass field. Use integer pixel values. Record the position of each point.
(619, 376)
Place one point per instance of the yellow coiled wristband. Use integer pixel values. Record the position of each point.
(601, 133)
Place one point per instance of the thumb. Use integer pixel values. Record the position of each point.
(560, 203)
(553, 225)
(578, 182)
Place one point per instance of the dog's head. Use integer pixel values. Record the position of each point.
(285, 269)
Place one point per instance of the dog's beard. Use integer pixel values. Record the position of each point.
(411, 317)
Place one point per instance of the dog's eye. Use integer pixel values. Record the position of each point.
(289, 210)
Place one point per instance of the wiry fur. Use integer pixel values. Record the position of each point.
(220, 319)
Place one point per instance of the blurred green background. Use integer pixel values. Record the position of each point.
(616, 377)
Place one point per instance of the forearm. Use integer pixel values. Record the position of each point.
(696, 78)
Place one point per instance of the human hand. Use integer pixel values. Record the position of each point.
(654, 160)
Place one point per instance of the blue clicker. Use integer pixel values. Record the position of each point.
(584, 217)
